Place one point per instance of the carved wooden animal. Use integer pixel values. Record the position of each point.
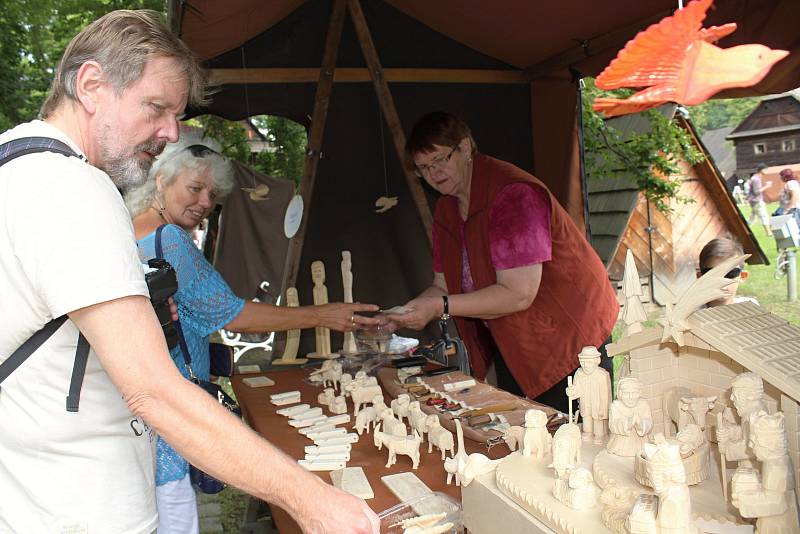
(439, 436)
(476, 465)
(682, 407)
(461, 454)
(537, 440)
(566, 448)
(417, 419)
(451, 468)
(362, 394)
(379, 403)
(390, 424)
(408, 445)
(513, 437)
(338, 405)
(343, 381)
(326, 396)
(365, 419)
(400, 405)
(331, 374)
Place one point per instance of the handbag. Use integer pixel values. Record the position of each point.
(202, 480)
(221, 359)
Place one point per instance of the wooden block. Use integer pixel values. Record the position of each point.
(243, 369)
(315, 429)
(329, 457)
(258, 381)
(311, 449)
(328, 434)
(282, 399)
(455, 386)
(311, 421)
(345, 439)
(288, 412)
(353, 481)
(311, 413)
(406, 486)
(321, 466)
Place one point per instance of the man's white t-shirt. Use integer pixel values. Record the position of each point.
(66, 242)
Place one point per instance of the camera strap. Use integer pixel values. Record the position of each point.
(9, 151)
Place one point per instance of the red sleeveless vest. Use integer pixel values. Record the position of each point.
(574, 307)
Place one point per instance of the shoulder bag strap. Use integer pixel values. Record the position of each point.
(187, 357)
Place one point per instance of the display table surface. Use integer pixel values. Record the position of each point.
(260, 414)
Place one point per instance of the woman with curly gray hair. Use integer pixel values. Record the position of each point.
(184, 184)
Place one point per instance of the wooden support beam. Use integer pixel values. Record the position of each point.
(592, 47)
(313, 151)
(389, 111)
(362, 75)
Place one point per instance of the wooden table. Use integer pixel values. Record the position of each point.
(260, 415)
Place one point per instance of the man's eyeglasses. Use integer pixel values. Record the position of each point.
(426, 170)
(731, 275)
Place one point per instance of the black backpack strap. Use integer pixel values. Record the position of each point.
(9, 151)
(30, 145)
(29, 347)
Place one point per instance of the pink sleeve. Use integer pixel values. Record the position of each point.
(437, 255)
(519, 227)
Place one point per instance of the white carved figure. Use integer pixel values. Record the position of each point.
(566, 447)
(338, 405)
(439, 436)
(345, 379)
(365, 419)
(747, 394)
(683, 407)
(576, 489)
(424, 524)
(326, 396)
(537, 439)
(408, 445)
(461, 454)
(451, 468)
(390, 424)
(592, 385)
(665, 471)
(476, 465)
(629, 420)
(633, 313)
(514, 437)
(320, 292)
(292, 344)
(690, 439)
(400, 405)
(772, 498)
(329, 374)
(349, 344)
(362, 395)
(417, 419)
(379, 403)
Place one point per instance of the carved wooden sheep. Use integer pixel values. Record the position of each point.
(379, 403)
(400, 405)
(566, 448)
(326, 396)
(390, 424)
(362, 395)
(441, 437)
(476, 465)
(343, 381)
(408, 445)
(338, 405)
(365, 419)
(537, 440)
(682, 407)
(417, 419)
(329, 374)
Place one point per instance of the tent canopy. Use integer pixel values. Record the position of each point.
(504, 67)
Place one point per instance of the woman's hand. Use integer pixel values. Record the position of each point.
(344, 317)
(422, 310)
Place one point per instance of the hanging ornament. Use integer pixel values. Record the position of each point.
(258, 192)
(385, 204)
(676, 62)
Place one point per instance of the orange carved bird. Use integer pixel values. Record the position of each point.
(676, 62)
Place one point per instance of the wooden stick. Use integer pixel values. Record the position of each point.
(569, 399)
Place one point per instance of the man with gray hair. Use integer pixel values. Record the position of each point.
(67, 249)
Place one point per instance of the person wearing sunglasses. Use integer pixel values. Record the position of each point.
(183, 186)
(524, 286)
(715, 252)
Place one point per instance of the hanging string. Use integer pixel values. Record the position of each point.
(383, 150)
(247, 111)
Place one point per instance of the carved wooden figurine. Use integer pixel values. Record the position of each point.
(576, 490)
(400, 406)
(322, 334)
(439, 436)
(390, 424)
(537, 439)
(326, 396)
(292, 336)
(629, 419)
(682, 407)
(362, 395)
(665, 471)
(566, 447)
(365, 419)
(592, 385)
(349, 344)
(772, 498)
(408, 445)
(514, 437)
(338, 405)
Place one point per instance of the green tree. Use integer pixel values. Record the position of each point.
(714, 114)
(651, 158)
(33, 35)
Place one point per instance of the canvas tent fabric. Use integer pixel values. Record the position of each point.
(532, 125)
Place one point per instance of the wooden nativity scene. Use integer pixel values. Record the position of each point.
(702, 436)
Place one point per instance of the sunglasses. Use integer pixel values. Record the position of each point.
(731, 275)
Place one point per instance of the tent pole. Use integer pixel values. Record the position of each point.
(389, 111)
(313, 151)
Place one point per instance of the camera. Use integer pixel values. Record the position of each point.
(162, 284)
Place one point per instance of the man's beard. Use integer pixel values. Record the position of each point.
(126, 170)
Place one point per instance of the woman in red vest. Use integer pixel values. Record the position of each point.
(526, 289)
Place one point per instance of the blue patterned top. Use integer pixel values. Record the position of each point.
(205, 304)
